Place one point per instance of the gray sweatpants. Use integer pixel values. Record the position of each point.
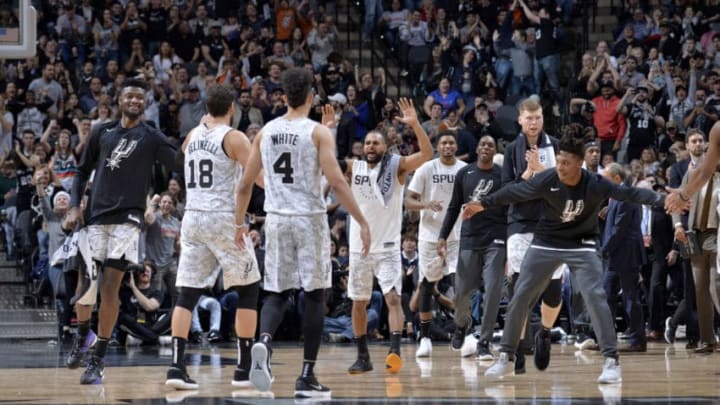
(478, 266)
(537, 269)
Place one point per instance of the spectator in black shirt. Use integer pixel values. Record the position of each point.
(626, 41)
(139, 305)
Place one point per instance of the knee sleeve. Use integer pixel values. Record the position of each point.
(189, 297)
(315, 296)
(88, 285)
(425, 298)
(119, 264)
(247, 295)
(552, 296)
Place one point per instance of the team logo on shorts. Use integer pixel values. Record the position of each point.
(120, 153)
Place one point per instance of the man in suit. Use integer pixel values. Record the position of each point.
(657, 228)
(685, 311)
(624, 254)
(703, 221)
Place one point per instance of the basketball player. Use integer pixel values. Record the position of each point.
(377, 184)
(566, 233)
(429, 192)
(214, 155)
(530, 153)
(482, 247)
(122, 155)
(295, 151)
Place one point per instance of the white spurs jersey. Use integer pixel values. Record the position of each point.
(210, 175)
(292, 170)
(434, 181)
(383, 211)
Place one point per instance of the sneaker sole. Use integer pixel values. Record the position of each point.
(501, 376)
(259, 374)
(360, 371)
(485, 357)
(93, 382)
(393, 362)
(313, 394)
(242, 384)
(422, 355)
(588, 344)
(179, 384)
(604, 381)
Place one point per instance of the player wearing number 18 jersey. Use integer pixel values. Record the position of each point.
(214, 153)
(295, 152)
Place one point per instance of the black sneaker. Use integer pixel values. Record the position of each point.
(94, 372)
(241, 378)
(520, 361)
(260, 374)
(309, 387)
(214, 336)
(483, 351)
(80, 349)
(179, 379)
(542, 349)
(361, 365)
(195, 337)
(458, 337)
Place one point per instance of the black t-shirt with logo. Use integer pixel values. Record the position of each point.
(485, 228)
(569, 217)
(123, 159)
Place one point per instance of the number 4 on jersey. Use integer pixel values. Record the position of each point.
(283, 165)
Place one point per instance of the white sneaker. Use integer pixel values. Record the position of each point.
(424, 348)
(469, 346)
(611, 372)
(131, 340)
(502, 367)
(165, 340)
(585, 344)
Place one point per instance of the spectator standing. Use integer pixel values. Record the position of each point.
(607, 119)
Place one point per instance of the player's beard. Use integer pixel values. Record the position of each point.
(376, 159)
(132, 115)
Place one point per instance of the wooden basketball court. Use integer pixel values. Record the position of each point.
(33, 373)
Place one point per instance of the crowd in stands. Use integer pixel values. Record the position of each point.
(639, 97)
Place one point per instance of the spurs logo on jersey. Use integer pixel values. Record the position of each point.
(120, 153)
(572, 210)
(364, 180)
(483, 188)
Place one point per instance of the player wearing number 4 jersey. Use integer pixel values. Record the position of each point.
(295, 153)
(214, 153)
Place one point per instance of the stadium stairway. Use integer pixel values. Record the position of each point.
(21, 315)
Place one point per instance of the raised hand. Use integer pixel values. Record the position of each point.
(409, 114)
(328, 116)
